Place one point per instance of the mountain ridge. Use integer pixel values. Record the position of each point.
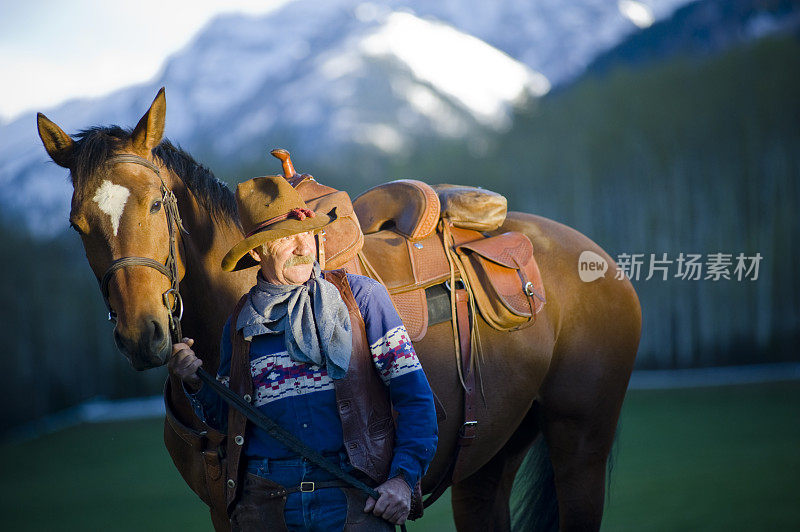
(325, 76)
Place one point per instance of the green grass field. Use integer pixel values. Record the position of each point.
(702, 459)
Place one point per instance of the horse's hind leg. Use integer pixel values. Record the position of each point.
(581, 402)
(481, 501)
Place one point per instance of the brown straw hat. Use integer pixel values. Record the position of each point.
(270, 208)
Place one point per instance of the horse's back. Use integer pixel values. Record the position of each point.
(573, 304)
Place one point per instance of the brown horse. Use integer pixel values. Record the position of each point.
(564, 378)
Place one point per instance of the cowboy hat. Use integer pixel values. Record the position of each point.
(270, 208)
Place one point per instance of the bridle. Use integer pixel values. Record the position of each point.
(172, 297)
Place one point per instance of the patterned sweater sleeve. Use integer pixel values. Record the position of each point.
(207, 404)
(399, 368)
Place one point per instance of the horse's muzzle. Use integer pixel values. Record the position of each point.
(149, 347)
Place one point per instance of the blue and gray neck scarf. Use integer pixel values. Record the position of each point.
(312, 316)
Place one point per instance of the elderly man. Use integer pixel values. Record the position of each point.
(326, 357)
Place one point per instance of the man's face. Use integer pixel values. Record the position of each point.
(288, 260)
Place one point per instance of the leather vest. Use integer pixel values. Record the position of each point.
(362, 401)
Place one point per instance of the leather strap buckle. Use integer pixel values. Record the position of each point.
(459, 285)
(529, 288)
(465, 427)
(306, 487)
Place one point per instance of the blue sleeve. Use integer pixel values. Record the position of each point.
(207, 404)
(416, 434)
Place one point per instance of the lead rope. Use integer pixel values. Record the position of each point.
(283, 436)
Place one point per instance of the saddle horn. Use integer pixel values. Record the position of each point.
(286, 160)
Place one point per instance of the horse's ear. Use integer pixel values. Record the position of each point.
(58, 144)
(150, 128)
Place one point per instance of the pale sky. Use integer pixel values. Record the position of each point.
(53, 50)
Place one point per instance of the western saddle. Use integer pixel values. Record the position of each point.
(430, 246)
(411, 237)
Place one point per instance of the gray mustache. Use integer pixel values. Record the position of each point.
(296, 260)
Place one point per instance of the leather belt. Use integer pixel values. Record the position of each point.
(307, 487)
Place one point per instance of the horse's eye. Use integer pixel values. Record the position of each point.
(155, 207)
(74, 227)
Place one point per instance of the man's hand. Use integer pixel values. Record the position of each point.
(184, 364)
(394, 502)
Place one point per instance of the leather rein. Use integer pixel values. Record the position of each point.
(171, 298)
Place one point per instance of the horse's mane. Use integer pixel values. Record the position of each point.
(95, 145)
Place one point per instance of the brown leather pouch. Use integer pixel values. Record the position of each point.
(260, 506)
(505, 279)
(357, 520)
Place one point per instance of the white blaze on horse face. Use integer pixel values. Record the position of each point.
(111, 199)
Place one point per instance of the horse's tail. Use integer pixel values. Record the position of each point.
(534, 501)
(611, 462)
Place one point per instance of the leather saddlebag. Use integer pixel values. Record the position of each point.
(504, 278)
(471, 207)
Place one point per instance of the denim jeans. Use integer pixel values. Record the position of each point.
(321, 510)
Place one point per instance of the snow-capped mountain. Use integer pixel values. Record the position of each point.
(321, 75)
